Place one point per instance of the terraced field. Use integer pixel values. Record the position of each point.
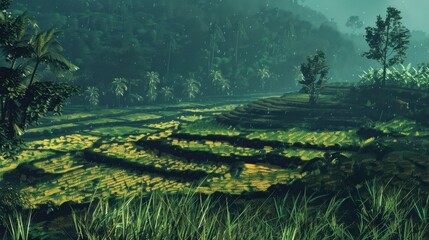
(172, 148)
(82, 155)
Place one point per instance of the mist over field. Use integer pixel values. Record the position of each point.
(414, 12)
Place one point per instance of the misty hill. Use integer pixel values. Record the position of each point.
(109, 39)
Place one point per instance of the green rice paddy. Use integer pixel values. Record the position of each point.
(112, 153)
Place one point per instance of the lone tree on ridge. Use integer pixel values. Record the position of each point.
(388, 42)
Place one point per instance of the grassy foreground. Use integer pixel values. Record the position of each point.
(375, 211)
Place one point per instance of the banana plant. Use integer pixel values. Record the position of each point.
(403, 75)
(263, 74)
(191, 87)
(370, 77)
(92, 95)
(167, 93)
(120, 86)
(153, 82)
(222, 84)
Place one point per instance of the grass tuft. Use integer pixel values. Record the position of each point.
(375, 211)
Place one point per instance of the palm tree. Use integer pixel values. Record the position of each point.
(14, 44)
(216, 36)
(92, 94)
(153, 81)
(45, 48)
(133, 90)
(191, 87)
(22, 104)
(219, 81)
(17, 44)
(240, 33)
(263, 74)
(167, 93)
(120, 86)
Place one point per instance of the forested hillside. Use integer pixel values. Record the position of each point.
(249, 45)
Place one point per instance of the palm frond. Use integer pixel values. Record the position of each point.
(59, 62)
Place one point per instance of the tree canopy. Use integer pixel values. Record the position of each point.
(24, 99)
(354, 23)
(388, 41)
(179, 38)
(314, 74)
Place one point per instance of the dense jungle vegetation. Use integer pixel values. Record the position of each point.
(145, 51)
(185, 49)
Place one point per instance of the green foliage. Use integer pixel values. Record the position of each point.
(314, 72)
(23, 100)
(45, 48)
(191, 87)
(18, 225)
(171, 42)
(381, 213)
(221, 83)
(388, 42)
(44, 97)
(4, 4)
(208, 127)
(401, 76)
(375, 211)
(92, 95)
(354, 23)
(167, 93)
(13, 218)
(120, 86)
(263, 74)
(135, 94)
(10, 145)
(153, 82)
(371, 77)
(10, 200)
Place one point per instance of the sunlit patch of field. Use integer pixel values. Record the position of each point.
(208, 127)
(129, 153)
(139, 117)
(216, 147)
(342, 139)
(212, 109)
(303, 154)
(7, 165)
(82, 182)
(61, 168)
(48, 129)
(118, 131)
(120, 152)
(72, 142)
(250, 178)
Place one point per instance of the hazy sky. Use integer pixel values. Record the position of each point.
(415, 13)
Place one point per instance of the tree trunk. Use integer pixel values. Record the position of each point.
(236, 47)
(25, 107)
(13, 63)
(33, 74)
(2, 109)
(385, 54)
(169, 60)
(213, 54)
(313, 95)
